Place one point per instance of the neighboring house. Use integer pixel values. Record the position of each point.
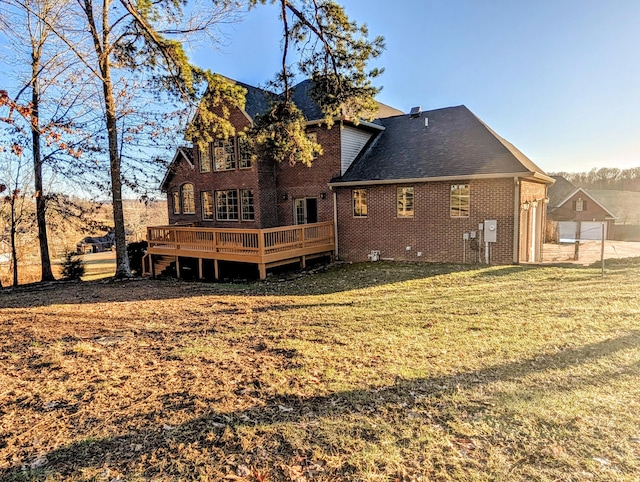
(404, 187)
(96, 244)
(574, 214)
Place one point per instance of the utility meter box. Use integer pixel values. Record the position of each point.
(490, 230)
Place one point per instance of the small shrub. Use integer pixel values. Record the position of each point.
(136, 252)
(72, 267)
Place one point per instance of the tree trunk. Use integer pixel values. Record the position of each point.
(14, 251)
(45, 260)
(122, 259)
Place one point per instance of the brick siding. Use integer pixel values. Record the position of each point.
(300, 181)
(432, 234)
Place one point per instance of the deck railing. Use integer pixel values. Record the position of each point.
(262, 246)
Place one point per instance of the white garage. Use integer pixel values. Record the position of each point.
(567, 231)
(588, 230)
(592, 230)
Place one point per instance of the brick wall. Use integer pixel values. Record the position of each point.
(432, 234)
(300, 181)
(275, 187)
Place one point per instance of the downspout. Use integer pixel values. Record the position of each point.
(516, 221)
(335, 221)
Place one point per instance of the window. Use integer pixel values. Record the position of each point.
(207, 204)
(313, 137)
(176, 202)
(405, 202)
(245, 161)
(460, 200)
(188, 201)
(224, 154)
(205, 158)
(246, 205)
(579, 204)
(227, 205)
(359, 203)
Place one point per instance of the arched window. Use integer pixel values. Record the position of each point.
(188, 200)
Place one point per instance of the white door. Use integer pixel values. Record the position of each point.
(592, 230)
(567, 231)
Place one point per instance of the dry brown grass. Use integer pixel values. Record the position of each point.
(377, 372)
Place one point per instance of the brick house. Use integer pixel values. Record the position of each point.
(413, 186)
(574, 214)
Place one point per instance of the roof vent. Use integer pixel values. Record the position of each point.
(415, 112)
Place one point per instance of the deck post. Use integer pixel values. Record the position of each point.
(216, 270)
(262, 268)
(200, 276)
(178, 267)
(303, 262)
(152, 268)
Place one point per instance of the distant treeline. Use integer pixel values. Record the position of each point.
(605, 178)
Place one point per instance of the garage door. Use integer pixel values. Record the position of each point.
(592, 230)
(567, 231)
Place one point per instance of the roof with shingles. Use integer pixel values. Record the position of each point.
(303, 99)
(454, 143)
(259, 100)
(559, 191)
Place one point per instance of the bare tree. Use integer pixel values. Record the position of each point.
(53, 99)
(15, 180)
(119, 41)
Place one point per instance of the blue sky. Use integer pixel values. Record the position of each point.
(560, 79)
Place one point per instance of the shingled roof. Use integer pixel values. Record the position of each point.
(258, 101)
(443, 143)
(560, 191)
(303, 99)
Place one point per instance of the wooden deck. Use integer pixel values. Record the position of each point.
(264, 247)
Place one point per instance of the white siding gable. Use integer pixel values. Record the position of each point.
(352, 142)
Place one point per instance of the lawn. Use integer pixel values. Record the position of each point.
(376, 372)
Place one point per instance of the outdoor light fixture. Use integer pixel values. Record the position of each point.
(285, 196)
(323, 195)
(525, 206)
(534, 204)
